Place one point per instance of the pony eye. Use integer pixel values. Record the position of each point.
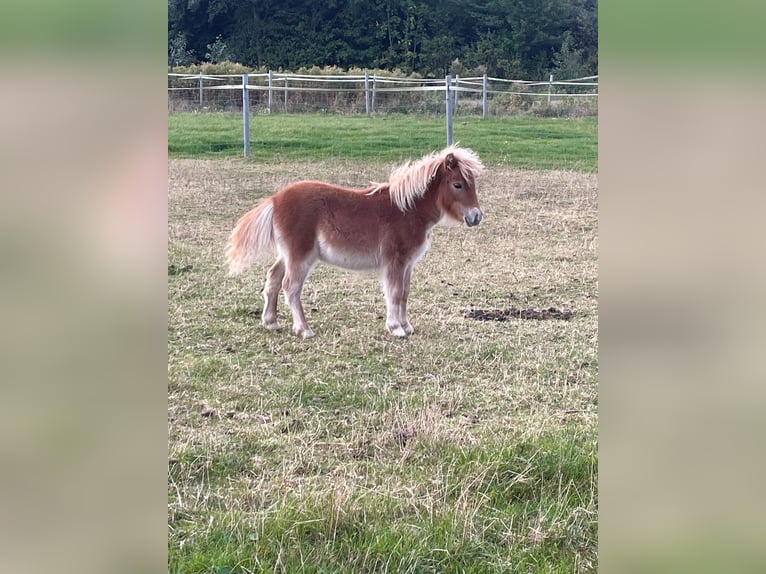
(457, 185)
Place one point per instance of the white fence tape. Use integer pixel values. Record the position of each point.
(415, 84)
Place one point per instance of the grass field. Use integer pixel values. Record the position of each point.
(470, 446)
(535, 143)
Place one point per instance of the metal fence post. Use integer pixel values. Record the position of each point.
(484, 101)
(246, 114)
(550, 88)
(271, 93)
(449, 109)
(201, 97)
(367, 93)
(374, 85)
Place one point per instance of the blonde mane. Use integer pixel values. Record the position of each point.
(410, 181)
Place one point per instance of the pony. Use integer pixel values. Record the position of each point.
(385, 227)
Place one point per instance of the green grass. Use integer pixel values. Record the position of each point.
(526, 142)
(488, 508)
(468, 447)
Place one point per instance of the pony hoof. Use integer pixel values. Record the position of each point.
(304, 333)
(409, 329)
(272, 326)
(397, 332)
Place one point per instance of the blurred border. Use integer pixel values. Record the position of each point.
(681, 123)
(83, 237)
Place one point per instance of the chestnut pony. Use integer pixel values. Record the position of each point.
(385, 227)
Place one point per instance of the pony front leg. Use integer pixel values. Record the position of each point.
(405, 296)
(396, 289)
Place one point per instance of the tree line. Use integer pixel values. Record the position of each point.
(520, 39)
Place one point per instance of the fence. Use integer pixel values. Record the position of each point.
(275, 92)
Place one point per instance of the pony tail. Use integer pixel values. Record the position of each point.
(251, 238)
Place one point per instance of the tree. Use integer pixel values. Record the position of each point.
(522, 39)
(217, 51)
(178, 55)
(568, 62)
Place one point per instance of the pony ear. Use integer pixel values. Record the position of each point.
(450, 161)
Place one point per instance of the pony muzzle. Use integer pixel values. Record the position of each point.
(472, 216)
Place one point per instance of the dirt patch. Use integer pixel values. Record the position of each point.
(514, 313)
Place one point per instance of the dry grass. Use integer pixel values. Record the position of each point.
(270, 435)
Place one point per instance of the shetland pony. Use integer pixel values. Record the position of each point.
(385, 227)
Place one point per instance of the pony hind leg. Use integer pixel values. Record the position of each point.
(292, 284)
(274, 279)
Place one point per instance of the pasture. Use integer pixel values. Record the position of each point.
(534, 143)
(470, 446)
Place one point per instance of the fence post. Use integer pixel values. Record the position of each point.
(449, 109)
(484, 101)
(271, 93)
(201, 97)
(285, 94)
(246, 114)
(367, 93)
(550, 88)
(374, 85)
